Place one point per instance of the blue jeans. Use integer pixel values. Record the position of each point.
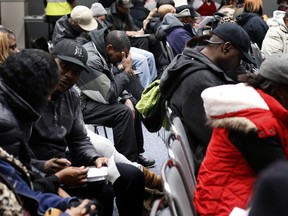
(144, 62)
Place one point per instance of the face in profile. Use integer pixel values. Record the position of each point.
(115, 57)
(12, 43)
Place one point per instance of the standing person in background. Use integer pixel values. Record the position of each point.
(55, 9)
(252, 21)
(276, 38)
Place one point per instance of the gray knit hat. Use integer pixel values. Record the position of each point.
(98, 9)
(275, 68)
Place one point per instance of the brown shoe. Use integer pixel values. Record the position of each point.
(152, 180)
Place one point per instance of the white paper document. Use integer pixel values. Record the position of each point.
(97, 174)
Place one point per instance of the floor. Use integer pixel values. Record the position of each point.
(154, 148)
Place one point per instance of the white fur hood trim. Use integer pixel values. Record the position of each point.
(226, 99)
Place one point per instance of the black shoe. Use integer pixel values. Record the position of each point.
(145, 162)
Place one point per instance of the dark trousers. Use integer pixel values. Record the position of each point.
(128, 190)
(127, 132)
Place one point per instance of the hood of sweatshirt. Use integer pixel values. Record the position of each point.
(170, 22)
(190, 61)
(98, 38)
(244, 17)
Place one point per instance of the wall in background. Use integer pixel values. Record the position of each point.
(37, 29)
(36, 7)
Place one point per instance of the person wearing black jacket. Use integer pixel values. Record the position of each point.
(252, 22)
(197, 69)
(61, 126)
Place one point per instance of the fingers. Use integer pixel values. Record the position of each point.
(62, 161)
(101, 161)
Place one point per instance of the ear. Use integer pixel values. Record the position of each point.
(109, 47)
(226, 47)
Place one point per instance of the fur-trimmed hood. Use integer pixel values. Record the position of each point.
(235, 107)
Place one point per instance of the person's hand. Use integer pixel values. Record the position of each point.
(101, 161)
(140, 32)
(126, 63)
(56, 164)
(81, 210)
(72, 176)
(129, 103)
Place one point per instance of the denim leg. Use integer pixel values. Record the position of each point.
(140, 63)
(151, 62)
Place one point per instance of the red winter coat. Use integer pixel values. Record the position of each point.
(225, 179)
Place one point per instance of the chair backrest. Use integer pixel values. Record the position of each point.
(180, 152)
(256, 54)
(175, 191)
(169, 51)
(178, 136)
(160, 208)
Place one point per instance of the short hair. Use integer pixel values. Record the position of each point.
(164, 9)
(118, 39)
(32, 74)
(162, 2)
(4, 47)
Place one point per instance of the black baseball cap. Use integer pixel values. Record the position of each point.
(237, 36)
(71, 51)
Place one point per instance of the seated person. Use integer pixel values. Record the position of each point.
(179, 28)
(104, 100)
(19, 198)
(183, 81)
(27, 80)
(120, 19)
(143, 60)
(61, 126)
(249, 123)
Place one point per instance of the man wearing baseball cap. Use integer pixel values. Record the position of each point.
(72, 26)
(198, 68)
(61, 126)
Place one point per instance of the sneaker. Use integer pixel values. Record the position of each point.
(145, 162)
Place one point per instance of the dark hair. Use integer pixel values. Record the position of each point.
(259, 82)
(162, 2)
(32, 74)
(280, 1)
(118, 39)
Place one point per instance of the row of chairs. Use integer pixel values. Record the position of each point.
(178, 174)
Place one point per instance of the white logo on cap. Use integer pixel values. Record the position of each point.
(78, 52)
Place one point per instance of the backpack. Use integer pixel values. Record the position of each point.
(151, 106)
